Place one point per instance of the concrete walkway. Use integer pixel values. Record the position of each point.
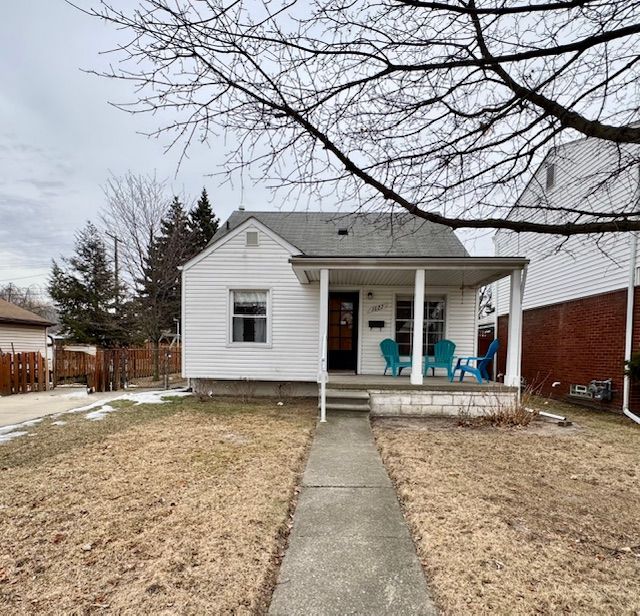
(349, 551)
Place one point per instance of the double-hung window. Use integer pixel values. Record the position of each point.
(434, 324)
(249, 316)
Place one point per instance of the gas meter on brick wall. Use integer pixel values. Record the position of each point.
(601, 390)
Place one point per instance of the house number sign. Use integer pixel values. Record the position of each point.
(377, 308)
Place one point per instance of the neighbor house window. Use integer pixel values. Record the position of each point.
(434, 324)
(551, 176)
(249, 316)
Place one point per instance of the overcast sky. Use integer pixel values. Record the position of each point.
(60, 139)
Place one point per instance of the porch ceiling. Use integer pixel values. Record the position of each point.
(445, 272)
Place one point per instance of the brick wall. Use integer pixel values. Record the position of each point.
(575, 342)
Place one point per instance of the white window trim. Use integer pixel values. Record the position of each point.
(246, 238)
(229, 316)
(431, 295)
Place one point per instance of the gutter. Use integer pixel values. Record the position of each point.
(628, 347)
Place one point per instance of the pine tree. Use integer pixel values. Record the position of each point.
(159, 289)
(84, 292)
(202, 224)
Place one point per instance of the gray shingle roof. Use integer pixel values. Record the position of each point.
(10, 313)
(369, 234)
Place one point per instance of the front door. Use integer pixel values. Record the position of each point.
(343, 331)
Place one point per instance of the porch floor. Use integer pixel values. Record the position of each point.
(342, 380)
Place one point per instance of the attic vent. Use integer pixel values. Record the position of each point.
(252, 238)
(343, 231)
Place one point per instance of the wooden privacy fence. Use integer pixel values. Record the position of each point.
(22, 372)
(112, 369)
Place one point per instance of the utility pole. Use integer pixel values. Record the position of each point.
(116, 272)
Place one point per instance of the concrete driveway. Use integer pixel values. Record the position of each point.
(24, 407)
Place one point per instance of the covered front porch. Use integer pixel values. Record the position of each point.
(375, 292)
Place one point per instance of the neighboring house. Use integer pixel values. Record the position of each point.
(22, 330)
(576, 290)
(280, 298)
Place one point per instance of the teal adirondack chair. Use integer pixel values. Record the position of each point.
(443, 358)
(480, 370)
(391, 355)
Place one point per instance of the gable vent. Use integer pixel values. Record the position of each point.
(252, 238)
(343, 231)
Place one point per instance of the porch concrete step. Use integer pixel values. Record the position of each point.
(362, 407)
(351, 394)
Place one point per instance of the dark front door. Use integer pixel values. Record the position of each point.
(343, 331)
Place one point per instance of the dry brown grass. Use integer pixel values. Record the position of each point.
(540, 520)
(171, 509)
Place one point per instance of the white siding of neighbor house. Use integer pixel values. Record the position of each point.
(25, 338)
(292, 353)
(564, 269)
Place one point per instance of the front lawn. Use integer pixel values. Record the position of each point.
(543, 520)
(177, 508)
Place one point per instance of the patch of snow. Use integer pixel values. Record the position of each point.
(100, 414)
(58, 423)
(24, 424)
(7, 436)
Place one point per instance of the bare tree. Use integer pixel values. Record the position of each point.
(439, 108)
(31, 298)
(135, 208)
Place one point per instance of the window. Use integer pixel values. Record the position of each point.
(249, 316)
(434, 321)
(252, 238)
(551, 176)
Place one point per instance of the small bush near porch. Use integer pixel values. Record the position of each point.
(537, 520)
(177, 508)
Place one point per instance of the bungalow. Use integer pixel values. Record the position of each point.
(296, 300)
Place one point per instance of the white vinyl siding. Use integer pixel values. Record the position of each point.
(22, 338)
(292, 352)
(564, 269)
(293, 312)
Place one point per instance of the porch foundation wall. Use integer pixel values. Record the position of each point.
(250, 388)
(393, 403)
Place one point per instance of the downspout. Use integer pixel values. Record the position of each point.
(628, 347)
(523, 282)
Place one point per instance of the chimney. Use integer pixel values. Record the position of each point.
(241, 208)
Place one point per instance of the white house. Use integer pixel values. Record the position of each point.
(579, 295)
(303, 298)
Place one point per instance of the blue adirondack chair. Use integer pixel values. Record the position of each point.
(443, 358)
(480, 370)
(391, 355)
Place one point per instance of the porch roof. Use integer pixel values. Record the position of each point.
(471, 272)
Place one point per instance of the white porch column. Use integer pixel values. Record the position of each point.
(418, 328)
(514, 342)
(323, 321)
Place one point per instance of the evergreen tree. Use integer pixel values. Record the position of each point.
(173, 250)
(159, 288)
(84, 293)
(202, 224)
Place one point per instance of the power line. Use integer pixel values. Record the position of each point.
(22, 278)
